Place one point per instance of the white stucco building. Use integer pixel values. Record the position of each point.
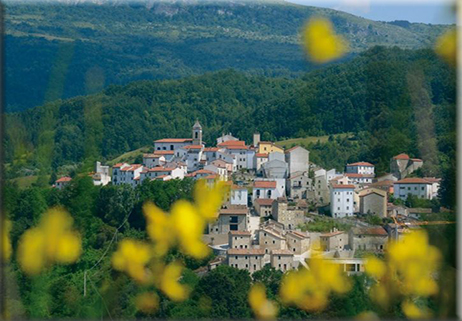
(341, 200)
(364, 168)
(418, 187)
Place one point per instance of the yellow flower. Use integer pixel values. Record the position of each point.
(6, 243)
(159, 228)
(169, 282)
(375, 267)
(261, 306)
(132, 257)
(412, 311)
(147, 302)
(31, 251)
(446, 46)
(310, 289)
(209, 200)
(53, 240)
(320, 41)
(189, 227)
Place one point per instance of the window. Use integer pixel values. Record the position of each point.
(254, 266)
(348, 199)
(246, 257)
(233, 219)
(196, 134)
(274, 242)
(279, 257)
(408, 188)
(423, 188)
(258, 193)
(171, 147)
(246, 265)
(256, 258)
(235, 257)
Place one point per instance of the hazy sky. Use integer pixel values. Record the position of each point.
(427, 11)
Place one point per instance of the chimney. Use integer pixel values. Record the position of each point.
(256, 139)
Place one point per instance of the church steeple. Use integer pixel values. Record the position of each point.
(197, 133)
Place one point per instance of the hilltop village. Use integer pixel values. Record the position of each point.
(276, 193)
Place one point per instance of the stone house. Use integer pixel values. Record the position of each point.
(402, 165)
(297, 242)
(373, 201)
(290, 216)
(264, 206)
(233, 218)
(270, 239)
(368, 238)
(239, 240)
(248, 259)
(335, 240)
(282, 260)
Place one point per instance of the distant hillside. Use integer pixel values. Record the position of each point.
(61, 51)
(371, 94)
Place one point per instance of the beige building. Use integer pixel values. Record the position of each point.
(248, 259)
(290, 216)
(368, 238)
(373, 201)
(282, 260)
(297, 242)
(264, 206)
(335, 240)
(239, 240)
(270, 239)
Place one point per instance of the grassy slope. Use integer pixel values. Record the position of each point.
(307, 140)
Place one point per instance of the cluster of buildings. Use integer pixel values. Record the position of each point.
(271, 191)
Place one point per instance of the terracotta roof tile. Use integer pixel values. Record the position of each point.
(361, 164)
(401, 156)
(246, 252)
(343, 186)
(240, 233)
(281, 252)
(264, 184)
(64, 179)
(413, 180)
(264, 201)
(332, 234)
(173, 140)
(164, 152)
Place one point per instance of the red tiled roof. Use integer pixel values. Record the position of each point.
(202, 171)
(232, 143)
(370, 231)
(416, 160)
(342, 186)
(361, 164)
(173, 140)
(239, 233)
(237, 147)
(401, 156)
(160, 169)
(264, 184)
(262, 155)
(117, 165)
(131, 167)
(413, 180)
(432, 179)
(264, 201)
(246, 252)
(164, 152)
(211, 149)
(64, 179)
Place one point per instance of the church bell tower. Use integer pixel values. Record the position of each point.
(197, 133)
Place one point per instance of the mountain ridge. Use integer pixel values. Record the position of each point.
(118, 44)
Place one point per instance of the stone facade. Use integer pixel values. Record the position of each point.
(230, 219)
(373, 201)
(239, 240)
(282, 260)
(264, 206)
(251, 260)
(333, 241)
(297, 242)
(289, 216)
(368, 239)
(270, 239)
